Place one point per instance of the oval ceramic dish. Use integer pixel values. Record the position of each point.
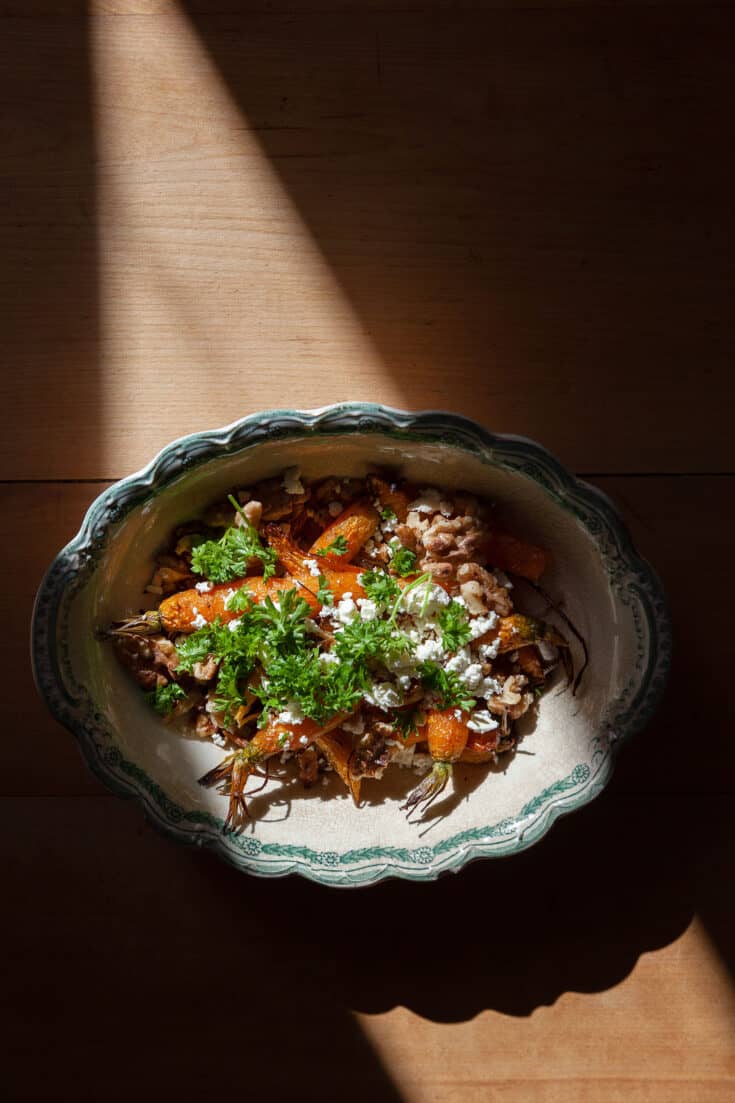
(612, 595)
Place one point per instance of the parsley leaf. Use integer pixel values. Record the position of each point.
(446, 686)
(403, 561)
(337, 547)
(229, 557)
(408, 721)
(388, 514)
(363, 641)
(454, 623)
(324, 594)
(379, 586)
(163, 698)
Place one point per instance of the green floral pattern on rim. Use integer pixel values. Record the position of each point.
(629, 576)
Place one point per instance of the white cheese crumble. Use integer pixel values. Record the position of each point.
(459, 662)
(227, 596)
(327, 658)
(482, 624)
(313, 567)
(292, 481)
(430, 651)
(346, 611)
(426, 600)
(482, 721)
(291, 714)
(197, 621)
(384, 695)
(471, 676)
(203, 587)
(234, 624)
(368, 608)
(488, 651)
(218, 739)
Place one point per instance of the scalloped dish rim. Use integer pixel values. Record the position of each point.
(356, 867)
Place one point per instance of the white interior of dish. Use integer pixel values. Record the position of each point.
(559, 738)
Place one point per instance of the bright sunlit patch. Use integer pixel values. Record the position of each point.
(208, 275)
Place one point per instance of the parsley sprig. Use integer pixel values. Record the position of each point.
(379, 586)
(163, 698)
(337, 547)
(229, 557)
(455, 626)
(403, 561)
(446, 685)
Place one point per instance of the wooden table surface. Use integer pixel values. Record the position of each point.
(518, 211)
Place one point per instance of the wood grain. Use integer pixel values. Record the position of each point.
(518, 209)
(518, 214)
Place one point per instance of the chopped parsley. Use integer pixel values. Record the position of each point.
(388, 514)
(408, 721)
(379, 587)
(163, 698)
(455, 626)
(403, 561)
(337, 547)
(324, 594)
(364, 641)
(447, 687)
(229, 557)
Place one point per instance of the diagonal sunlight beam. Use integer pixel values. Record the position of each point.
(208, 274)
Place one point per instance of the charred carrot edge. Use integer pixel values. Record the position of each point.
(355, 525)
(336, 746)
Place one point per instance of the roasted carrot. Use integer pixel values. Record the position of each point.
(446, 734)
(179, 612)
(481, 747)
(341, 580)
(509, 553)
(336, 746)
(233, 772)
(354, 526)
(516, 632)
(390, 496)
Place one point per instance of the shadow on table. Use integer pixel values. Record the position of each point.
(507, 198)
(50, 385)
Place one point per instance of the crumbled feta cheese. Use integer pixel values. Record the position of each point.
(388, 525)
(292, 714)
(384, 695)
(327, 658)
(459, 662)
(292, 481)
(218, 739)
(458, 714)
(482, 721)
(227, 596)
(313, 567)
(471, 676)
(430, 650)
(234, 624)
(355, 724)
(488, 651)
(304, 740)
(404, 681)
(197, 621)
(335, 508)
(203, 587)
(425, 600)
(489, 687)
(482, 624)
(346, 611)
(368, 608)
(428, 501)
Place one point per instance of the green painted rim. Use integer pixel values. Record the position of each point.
(632, 579)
